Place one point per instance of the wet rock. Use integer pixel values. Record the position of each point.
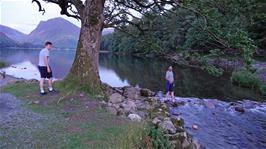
(240, 109)
(168, 126)
(116, 98)
(195, 127)
(146, 92)
(112, 110)
(209, 105)
(132, 92)
(134, 117)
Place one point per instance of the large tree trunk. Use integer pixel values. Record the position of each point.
(84, 72)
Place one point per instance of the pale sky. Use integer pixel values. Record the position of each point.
(24, 16)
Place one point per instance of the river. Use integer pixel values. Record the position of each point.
(220, 126)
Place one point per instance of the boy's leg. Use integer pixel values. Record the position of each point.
(50, 84)
(41, 85)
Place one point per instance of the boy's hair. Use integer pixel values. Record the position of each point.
(48, 43)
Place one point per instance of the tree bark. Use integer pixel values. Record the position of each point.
(84, 72)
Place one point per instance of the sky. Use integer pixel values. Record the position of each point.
(24, 15)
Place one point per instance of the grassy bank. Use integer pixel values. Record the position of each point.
(68, 120)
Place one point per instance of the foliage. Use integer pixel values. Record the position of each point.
(213, 70)
(3, 64)
(263, 89)
(153, 138)
(197, 26)
(245, 78)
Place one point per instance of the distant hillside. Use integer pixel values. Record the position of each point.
(58, 30)
(5, 41)
(61, 32)
(12, 33)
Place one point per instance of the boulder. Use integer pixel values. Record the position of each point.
(116, 98)
(132, 92)
(146, 92)
(240, 109)
(167, 125)
(134, 117)
(128, 106)
(112, 110)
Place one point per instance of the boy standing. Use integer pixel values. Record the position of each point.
(44, 68)
(170, 82)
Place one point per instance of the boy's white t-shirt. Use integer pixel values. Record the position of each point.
(43, 53)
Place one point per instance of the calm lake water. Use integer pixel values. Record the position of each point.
(147, 73)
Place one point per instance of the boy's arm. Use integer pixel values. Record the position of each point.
(47, 64)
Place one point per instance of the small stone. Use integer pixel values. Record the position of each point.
(156, 121)
(81, 95)
(134, 117)
(36, 102)
(240, 109)
(132, 92)
(195, 127)
(129, 106)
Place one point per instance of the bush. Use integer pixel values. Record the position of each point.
(245, 78)
(2, 64)
(263, 90)
(154, 138)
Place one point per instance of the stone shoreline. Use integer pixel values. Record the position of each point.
(139, 104)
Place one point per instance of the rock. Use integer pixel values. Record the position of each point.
(167, 125)
(128, 106)
(209, 105)
(146, 92)
(132, 92)
(185, 143)
(195, 127)
(112, 110)
(36, 102)
(116, 98)
(178, 122)
(2, 74)
(134, 117)
(156, 121)
(240, 109)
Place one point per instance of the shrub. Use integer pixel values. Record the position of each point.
(263, 89)
(245, 78)
(2, 64)
(154, 138)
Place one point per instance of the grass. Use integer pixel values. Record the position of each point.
(76, 122)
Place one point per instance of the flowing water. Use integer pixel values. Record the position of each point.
(220, 126)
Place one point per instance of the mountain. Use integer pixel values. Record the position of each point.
(62, 33)
(58, 30)
(12, 33)
(5, 41)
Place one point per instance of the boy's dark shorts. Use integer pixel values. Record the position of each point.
(169, 86)
(44, 73)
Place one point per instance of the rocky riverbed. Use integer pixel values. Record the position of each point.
(211, 122)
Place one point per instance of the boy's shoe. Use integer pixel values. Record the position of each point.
(53, 91)
(43, 93)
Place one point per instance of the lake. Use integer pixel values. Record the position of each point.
(121, 71)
